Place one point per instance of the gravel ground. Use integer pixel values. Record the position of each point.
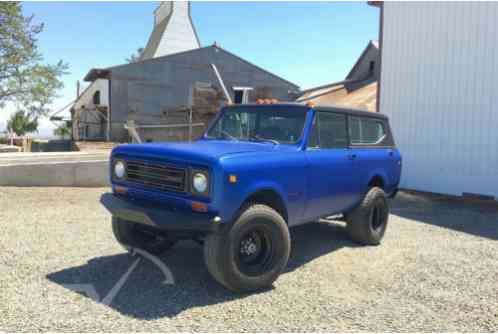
(437, 270)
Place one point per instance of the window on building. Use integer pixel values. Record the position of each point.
(371, 67)
(238, 96)
(241, 94)
(366, 131)
(329, 131)
(96, 98)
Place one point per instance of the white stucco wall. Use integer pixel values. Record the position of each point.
(439, 86)
(86, 97)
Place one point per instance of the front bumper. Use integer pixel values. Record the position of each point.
(144, 212)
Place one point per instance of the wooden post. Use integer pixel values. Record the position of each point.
(108, 126)
(131, 127)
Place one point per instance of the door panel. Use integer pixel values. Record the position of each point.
(331, 185)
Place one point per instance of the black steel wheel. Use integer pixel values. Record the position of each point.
(256, 253)
(252, 253)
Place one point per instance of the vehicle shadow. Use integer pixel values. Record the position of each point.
(479, 218)
(144, 296)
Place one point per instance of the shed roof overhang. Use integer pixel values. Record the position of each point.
(97, 73)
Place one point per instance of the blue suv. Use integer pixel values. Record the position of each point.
(258, 170)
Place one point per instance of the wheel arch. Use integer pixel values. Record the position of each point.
(267, 196)
(377, 180)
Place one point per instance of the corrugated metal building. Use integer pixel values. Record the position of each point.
(438, 85)
(160, 91)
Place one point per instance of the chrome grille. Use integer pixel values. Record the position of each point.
(156, 176)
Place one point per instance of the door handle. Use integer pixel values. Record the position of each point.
(391, 153)
(352, 156)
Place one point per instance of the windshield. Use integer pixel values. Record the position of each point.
(276, 125)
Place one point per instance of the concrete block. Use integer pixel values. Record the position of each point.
(70, 173)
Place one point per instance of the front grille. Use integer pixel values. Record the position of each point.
(156, 176)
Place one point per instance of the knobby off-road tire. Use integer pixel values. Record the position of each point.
(131, 235)
(367, 223)
(252, 253)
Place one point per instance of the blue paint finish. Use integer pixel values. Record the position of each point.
(282, 171)
(332, 185)
(372, 162)
(311, 183)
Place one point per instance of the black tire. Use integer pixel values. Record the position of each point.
(252, 253)
(367, 223)
(131, 235)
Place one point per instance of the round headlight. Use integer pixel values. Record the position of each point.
(200, 182)
(119, 169)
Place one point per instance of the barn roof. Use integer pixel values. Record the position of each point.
(106, 73)
(364, 97)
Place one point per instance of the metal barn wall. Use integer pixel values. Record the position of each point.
(151, 87)
(439, 86)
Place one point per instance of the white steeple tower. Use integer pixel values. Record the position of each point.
(173, 30)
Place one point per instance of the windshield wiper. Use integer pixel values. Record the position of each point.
(228, 135)
(258, 138)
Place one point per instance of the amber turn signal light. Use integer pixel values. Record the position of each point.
(232, 179)
(120, 190)
(199, 207)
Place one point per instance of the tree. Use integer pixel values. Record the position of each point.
(135, 57)
(24, 79)
(63, 130)
(22, 123)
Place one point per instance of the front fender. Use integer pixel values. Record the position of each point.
(281, 173)
(236, 195)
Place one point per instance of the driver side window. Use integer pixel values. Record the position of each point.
(329, 130)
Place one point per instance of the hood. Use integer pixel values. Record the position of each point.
(201, 150)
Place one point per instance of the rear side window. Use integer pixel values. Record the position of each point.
(366, 131)
(329, 131)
